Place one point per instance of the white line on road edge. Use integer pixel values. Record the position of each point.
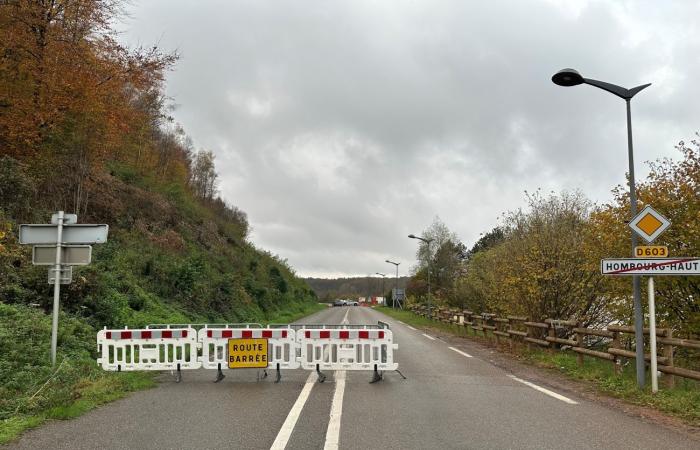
(460, 352)
(411, 327)
(333, 431)
(544, 391)
(345, 318)
(294, 413)
(429, 337)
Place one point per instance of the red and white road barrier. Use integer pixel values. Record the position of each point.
(347, 349)
(281, 345)
(310, 347)
(146, 349)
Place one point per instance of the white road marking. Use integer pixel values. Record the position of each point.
(401, 322)
(461, 352)
(345, 317)
(411, 327)
(429, 337)
(333, 430)
(544, 391)
(294, 413)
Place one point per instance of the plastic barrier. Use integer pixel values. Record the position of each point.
(148, 349)
(347, 349)
(281, 344)
(310, 347)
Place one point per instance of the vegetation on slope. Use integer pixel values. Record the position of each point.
(85, 128)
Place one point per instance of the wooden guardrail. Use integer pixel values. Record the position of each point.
(567, 335)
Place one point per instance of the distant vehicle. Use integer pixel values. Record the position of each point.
(352, 303)
(339, 303)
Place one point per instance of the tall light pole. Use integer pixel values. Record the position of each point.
(383, 278)
(427, 241)
(396, 292)
(570, 77)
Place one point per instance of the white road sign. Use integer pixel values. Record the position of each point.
(652, 267)
(73, 255)
(649, 224)
(66, 274)
(72, 234)
(67, 218)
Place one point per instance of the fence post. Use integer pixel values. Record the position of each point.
(617, 367)
(670, 380)
(528, 333)
(579, 344)
(552, 332)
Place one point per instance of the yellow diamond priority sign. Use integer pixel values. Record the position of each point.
(649, 224)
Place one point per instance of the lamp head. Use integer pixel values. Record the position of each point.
(412, 236)
(567, 77)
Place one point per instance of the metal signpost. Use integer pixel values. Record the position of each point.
(63, 243)
(650, 261)
(398, 296)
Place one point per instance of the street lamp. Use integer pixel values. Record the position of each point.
(396, 291)
(570, 77)
(427, 241)
(383, 275)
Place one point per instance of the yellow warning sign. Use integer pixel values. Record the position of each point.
(651, 251)
(649, 224)
(247, 353)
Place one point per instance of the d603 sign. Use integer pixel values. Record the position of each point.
(651, 251)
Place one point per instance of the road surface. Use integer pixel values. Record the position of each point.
(450, 399)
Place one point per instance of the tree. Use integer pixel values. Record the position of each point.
(203, 178)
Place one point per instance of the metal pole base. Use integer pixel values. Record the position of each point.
(178, 374)
(321, 375)
(376, 376)
(279, 374)
(219, 375)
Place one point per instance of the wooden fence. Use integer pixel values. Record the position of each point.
(567, 335)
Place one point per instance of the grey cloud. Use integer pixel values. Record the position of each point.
(340, 127)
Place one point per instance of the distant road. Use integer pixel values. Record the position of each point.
(451, 399)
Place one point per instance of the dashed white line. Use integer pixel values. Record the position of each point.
(461, 352)
(544, 391)
(345, 318)
(294, 413)
(411, 327)
(333, 430)
(428, 336)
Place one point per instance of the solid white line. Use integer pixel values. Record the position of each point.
(461, 352)
(429, 337)
(545, 391)
(294, 413)
(411, 327)
(333, 430)
(401, 322)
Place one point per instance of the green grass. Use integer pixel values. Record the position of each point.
(682, 401)
(301, 311)
(90, 393)
(32, 392)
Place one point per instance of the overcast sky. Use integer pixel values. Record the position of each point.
(342, 126)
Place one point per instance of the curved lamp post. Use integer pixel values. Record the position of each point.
(393, 303)
(570, 77)
(383, 275)
(427, 241)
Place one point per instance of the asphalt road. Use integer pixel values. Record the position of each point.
(449, 400)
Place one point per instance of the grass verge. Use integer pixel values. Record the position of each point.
(305, 309)
(31, 391)
(682, 401)
(90, 393)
